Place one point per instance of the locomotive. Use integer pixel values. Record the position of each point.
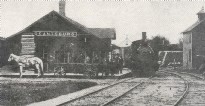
(142, 61)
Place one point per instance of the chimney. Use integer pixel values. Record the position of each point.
(62, 7)
(144, 36)
(201, 14)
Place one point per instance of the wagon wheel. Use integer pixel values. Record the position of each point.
(56, 74)
(63, 73)
(59, 71)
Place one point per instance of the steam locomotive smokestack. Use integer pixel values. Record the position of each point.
(144, 36)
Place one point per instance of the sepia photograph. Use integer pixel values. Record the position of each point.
(102, 53)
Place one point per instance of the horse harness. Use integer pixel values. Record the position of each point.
(27, 61)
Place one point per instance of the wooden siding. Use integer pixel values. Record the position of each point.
(198, 46)
(187, 46)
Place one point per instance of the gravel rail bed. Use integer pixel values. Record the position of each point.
(165, 89)
(103, 96)
(196, 93)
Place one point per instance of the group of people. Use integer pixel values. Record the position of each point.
(106, 66)
(111, 66)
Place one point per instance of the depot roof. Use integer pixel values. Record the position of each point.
(99, 32)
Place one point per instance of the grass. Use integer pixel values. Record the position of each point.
(12, 94)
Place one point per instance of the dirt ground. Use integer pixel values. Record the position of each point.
(22, 91)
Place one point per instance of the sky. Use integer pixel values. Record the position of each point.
(129, 19)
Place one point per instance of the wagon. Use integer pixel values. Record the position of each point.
(88, 70)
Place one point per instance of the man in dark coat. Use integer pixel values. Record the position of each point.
(120, 64)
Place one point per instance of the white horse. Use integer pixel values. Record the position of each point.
(28, 62)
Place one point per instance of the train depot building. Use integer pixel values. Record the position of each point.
(57, 39)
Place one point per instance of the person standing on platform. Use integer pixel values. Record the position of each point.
(120, 64)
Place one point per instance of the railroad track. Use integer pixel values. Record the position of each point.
(121, 93)
(106, 95)
(187, 85)
(196, 93)
(154, 97)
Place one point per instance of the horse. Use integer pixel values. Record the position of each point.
(24, 61)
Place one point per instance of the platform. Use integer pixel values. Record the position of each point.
(31, 74)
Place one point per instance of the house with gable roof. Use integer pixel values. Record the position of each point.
(194, 43)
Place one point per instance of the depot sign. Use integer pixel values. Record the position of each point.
(56, 33)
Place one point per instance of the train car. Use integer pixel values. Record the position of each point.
(143, 62)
